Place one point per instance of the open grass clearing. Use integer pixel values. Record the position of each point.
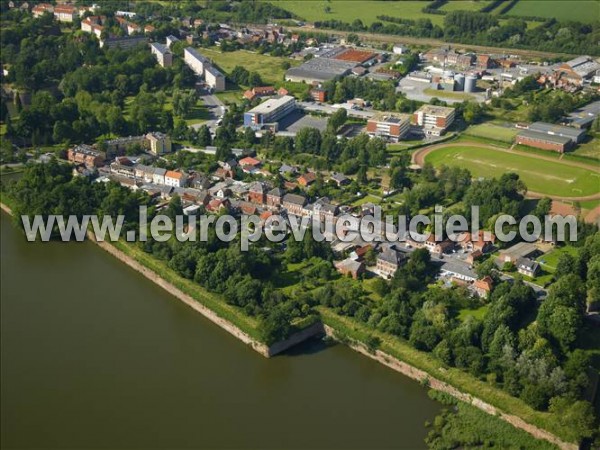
(270, 68)
(350, 10)
(493, 131)
(545, 177)
(579, 10)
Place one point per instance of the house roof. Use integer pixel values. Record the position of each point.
(249, 161)
(276, 192)
(175, 175)
(392, 256)
(308, 177)
(484, 283)
(527, 264)
(294, 199)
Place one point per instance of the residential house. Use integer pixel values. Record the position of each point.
(158, 177)
(65, 13)
(518, 251)
(307, 179)
(324, 210)
(201, 181)
(42, 8)
(274, 197)
(249, 164)
(85, 154)
(340, 179)
(389, 261)
(483, 286)
(350, 267)
(216, 205)
(527, 267)
(293, 203)
(257, 193)
(484, 241)
(287, 170)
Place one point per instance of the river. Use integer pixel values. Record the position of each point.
(95, 355)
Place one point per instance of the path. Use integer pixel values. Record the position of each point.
(419, 156)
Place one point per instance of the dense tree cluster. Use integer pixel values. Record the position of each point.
(474, 27)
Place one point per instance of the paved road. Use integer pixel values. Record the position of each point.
(216, 109)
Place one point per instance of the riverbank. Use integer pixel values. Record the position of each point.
(337, 329)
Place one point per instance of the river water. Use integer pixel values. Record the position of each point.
(95, 355)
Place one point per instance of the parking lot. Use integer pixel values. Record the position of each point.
(295, 121)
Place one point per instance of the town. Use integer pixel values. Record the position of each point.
(246, 108)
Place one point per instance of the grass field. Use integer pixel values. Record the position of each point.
(549, 261)
(269, 67)
(462, 5)
(589, 149)
(546, 177)
(580, 10)
(492, 131)
(448, 94)
(350, 10)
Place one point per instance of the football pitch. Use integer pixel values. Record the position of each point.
(541, 176)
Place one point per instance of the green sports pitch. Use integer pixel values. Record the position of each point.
(541, 176)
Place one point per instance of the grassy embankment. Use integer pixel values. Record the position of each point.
(457, 378)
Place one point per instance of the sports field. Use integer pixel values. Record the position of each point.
(580, 10)
(350, 10)
(545, 177)
(492, 131)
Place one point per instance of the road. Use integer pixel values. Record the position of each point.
(216, 109)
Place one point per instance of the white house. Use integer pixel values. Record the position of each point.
(175, 179)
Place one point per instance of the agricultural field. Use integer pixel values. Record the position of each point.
(492, 131)
(545, 177)
(350, 10)
(463, 5)
(580, 10)
(270, 68)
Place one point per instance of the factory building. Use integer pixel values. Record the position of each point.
(389, 126)
(435, 120)
(269, 112)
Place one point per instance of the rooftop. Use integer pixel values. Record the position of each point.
(560, 130)
(272, 104)
(541, 136)
(436, 110)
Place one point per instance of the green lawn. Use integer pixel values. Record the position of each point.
(580, 10)
(350, 10)
(589, 149)
(269, 67)
(549, 261)
(494, 132)
(447, 94)
(546, 177)
(478, 313)
(366, 199)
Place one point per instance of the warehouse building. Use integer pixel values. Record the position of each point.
(162, 53)
(435, 120)
(389, 126)
(576, 135)
(319, 70)
(544, 141)
(269, 112)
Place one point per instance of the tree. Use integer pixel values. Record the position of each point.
(337, 119)
(575, 416)
(275, 326)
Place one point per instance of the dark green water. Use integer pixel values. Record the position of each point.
(94, 355)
